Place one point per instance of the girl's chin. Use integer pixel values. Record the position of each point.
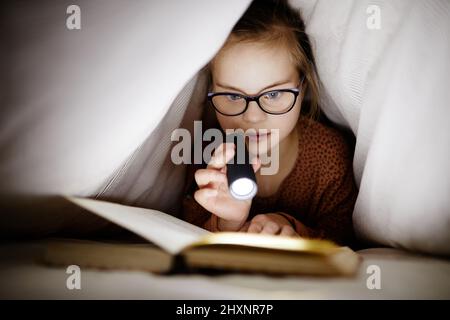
(260, 148)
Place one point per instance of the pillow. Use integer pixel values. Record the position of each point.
(390, 87)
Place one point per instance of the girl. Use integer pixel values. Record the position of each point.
(312, 195)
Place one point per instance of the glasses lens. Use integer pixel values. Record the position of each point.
(230, 104)
(277, 101)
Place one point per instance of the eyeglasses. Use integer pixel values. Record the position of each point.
(273, 102)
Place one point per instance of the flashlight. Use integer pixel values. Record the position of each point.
(240, 174)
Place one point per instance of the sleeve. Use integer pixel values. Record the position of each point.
(334, 218)
(193, 212)
(337, 193)
(331, 213)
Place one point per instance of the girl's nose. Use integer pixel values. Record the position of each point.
(254, 114)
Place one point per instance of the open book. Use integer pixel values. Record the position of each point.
(173, 242)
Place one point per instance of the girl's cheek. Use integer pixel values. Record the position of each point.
(227, 122)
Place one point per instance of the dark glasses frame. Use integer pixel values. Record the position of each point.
(296, 91)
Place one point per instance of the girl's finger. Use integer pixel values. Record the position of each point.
(206, 197)
(221, 156)
(244, 228)
(203, 177)
(255, 227)
(288, 231)
(217, 203)
(271, 228)
(257, 165)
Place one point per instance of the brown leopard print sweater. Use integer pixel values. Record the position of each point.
(317, 196)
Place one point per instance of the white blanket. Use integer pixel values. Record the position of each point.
(391, 87)
(89, 112)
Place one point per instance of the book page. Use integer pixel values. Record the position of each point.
(164, 230)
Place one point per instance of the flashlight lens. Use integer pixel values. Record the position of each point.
(243, 188)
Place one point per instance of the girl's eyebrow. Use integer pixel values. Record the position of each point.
(279, 83)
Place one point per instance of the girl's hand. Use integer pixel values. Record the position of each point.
(270, 223)
(214, 195)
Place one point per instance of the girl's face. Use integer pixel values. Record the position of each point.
(251, 69)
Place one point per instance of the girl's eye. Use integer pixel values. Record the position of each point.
(233, 97)
(272, 95)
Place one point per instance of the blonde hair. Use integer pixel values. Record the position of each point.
(276, 23)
